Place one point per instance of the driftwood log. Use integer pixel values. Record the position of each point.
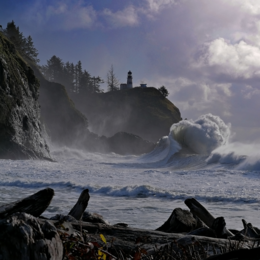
(217, 224)
(34, 205)
(82, 203)
(179, 221)
(129, 239)
(240, 254)
(42, 238)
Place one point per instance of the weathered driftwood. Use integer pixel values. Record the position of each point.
(249, 230)
(94, 218)
(22, 237)
(197, 209)
(218, 224)
(179, 221)
(204, 232)
(34, 205)
(82, 203)
(240, 254)
(43, 236)
(129, 239)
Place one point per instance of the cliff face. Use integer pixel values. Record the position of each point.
(139, 111)
(21, 135)
(64, 124)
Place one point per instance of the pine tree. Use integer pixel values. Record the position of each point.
(112, 81)
(24, 45)
(78, 75)
(30, 50)
(95, 84)
(68, 77)
(85, 83)
(54, 69)
(163, 91)
(13, 33)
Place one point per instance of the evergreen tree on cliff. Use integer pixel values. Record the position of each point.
(13, 33)
(24, 45)
(95, 84)
(78, 76)
(30, 50)
(112, 81)
(163, 91)
(53, 71)
(85, 83)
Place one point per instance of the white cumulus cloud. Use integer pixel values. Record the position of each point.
(126, 17)
(72, 15)
(157, 5)
(239, 60)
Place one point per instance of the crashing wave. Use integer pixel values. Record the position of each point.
(203, 135)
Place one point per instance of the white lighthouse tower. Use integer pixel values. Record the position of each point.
(129, 83)
(129, 80)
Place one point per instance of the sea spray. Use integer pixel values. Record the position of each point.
(238, 155)
(202, 135)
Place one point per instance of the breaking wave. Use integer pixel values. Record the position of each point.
(135, 191)
(203, 135)
(240, 156)
(203, 143)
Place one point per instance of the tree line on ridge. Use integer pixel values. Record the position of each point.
(76, 79)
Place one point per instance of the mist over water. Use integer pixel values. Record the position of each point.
(195, 160)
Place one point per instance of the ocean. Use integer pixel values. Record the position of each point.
(198, 159)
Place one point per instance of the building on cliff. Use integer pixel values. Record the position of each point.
(129, 83)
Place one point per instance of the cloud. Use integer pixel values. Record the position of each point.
(194, 98)
(126, 17)
(76, 14)
(62, 15)
(157, 5)
(251, 92)
(72, 15)
(207, 53)
(239, 60)
(250, 6)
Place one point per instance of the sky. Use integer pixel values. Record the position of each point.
(205, 52)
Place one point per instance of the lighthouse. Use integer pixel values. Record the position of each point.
(129, 80)
(129, 83)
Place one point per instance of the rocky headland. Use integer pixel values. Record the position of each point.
(144, 112)
(33, 110)
(21, 132)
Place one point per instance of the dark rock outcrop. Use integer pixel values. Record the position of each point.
(66, 125)
(23, 237)
(125, 143)
(140, 111)
(21, 133)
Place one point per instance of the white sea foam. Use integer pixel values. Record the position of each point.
(241, 156)
(202, 135)
(225, 177)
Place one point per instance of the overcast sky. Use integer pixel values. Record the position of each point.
(205, 52)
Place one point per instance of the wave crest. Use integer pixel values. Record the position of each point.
(202, 136)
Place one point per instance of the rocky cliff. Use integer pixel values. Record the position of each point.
(21, 134)
(66, 125)
(140, 111)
